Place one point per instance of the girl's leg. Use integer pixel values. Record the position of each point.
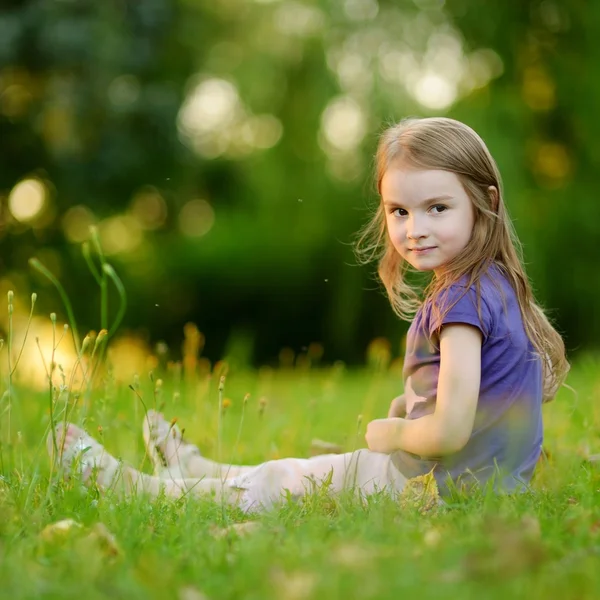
(77, 451)
(362, 471)
(264, 484)
(258, 488)
(175, 458)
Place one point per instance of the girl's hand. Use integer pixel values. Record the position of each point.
(382, 434)
(397, 407)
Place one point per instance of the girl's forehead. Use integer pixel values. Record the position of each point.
(399, 180)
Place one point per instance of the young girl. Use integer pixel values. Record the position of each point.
(481, 356)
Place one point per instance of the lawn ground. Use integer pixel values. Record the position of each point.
(542, 544)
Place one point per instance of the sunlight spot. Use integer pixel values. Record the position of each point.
(211, 105)
(149, 208)
(196, 218)
(343, 123)
(52, 345)
(262, 131)
(27, 199)
(120, 234)
(361, 10)
(483, 66)
(353, 72)
(294, 18)
(434, 91)
(397, 63)
(76, 223)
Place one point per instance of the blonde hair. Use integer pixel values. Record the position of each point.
(445, 144)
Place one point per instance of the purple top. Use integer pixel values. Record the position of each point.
(507, 435)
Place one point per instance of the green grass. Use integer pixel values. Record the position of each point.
(541, 544)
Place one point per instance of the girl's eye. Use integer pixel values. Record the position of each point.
(399, 212)
(439, 208)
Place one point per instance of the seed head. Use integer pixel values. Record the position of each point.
(87, 340)
(100, 337)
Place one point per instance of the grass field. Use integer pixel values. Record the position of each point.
(541, 544)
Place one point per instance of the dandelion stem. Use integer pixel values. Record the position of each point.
(38, 266)
(108, 269)
(9, 350)
(103, 279)
(85, 250)
(33, 299)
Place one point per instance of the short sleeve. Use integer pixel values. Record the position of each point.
(461, 305)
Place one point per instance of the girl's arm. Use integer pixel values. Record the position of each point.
(449, 428)
(397, 407)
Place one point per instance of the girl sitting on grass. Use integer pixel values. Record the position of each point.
(481, 356)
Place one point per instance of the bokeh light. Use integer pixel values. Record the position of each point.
(434, 91)
(27, 200)
(214, 121)
(343, 123)
(196, 218)
(262, 131)
(120, 234)
(210, 106)
(294, 18)
(361, 10)
(76, 223)
(149, 208)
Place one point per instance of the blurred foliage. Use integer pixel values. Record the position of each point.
(224, 151)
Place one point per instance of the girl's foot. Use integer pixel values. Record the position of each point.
(79, 453)
(165, 444)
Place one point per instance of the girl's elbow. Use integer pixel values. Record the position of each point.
(452, 442)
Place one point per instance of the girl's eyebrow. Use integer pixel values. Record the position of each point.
(423, 202)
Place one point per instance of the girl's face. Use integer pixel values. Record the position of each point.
(429, 216)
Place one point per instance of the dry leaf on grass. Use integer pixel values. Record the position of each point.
(421, 493)
(105, 541)
(61, 530)
(96, 537)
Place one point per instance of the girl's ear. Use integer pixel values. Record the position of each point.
(493, 190)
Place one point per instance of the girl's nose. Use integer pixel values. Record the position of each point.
(415, 229)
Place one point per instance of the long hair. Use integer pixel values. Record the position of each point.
(445, 144)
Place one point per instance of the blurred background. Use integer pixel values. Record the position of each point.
(224, 150)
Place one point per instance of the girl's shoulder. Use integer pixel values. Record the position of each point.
(479, 303)
(492, 287)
